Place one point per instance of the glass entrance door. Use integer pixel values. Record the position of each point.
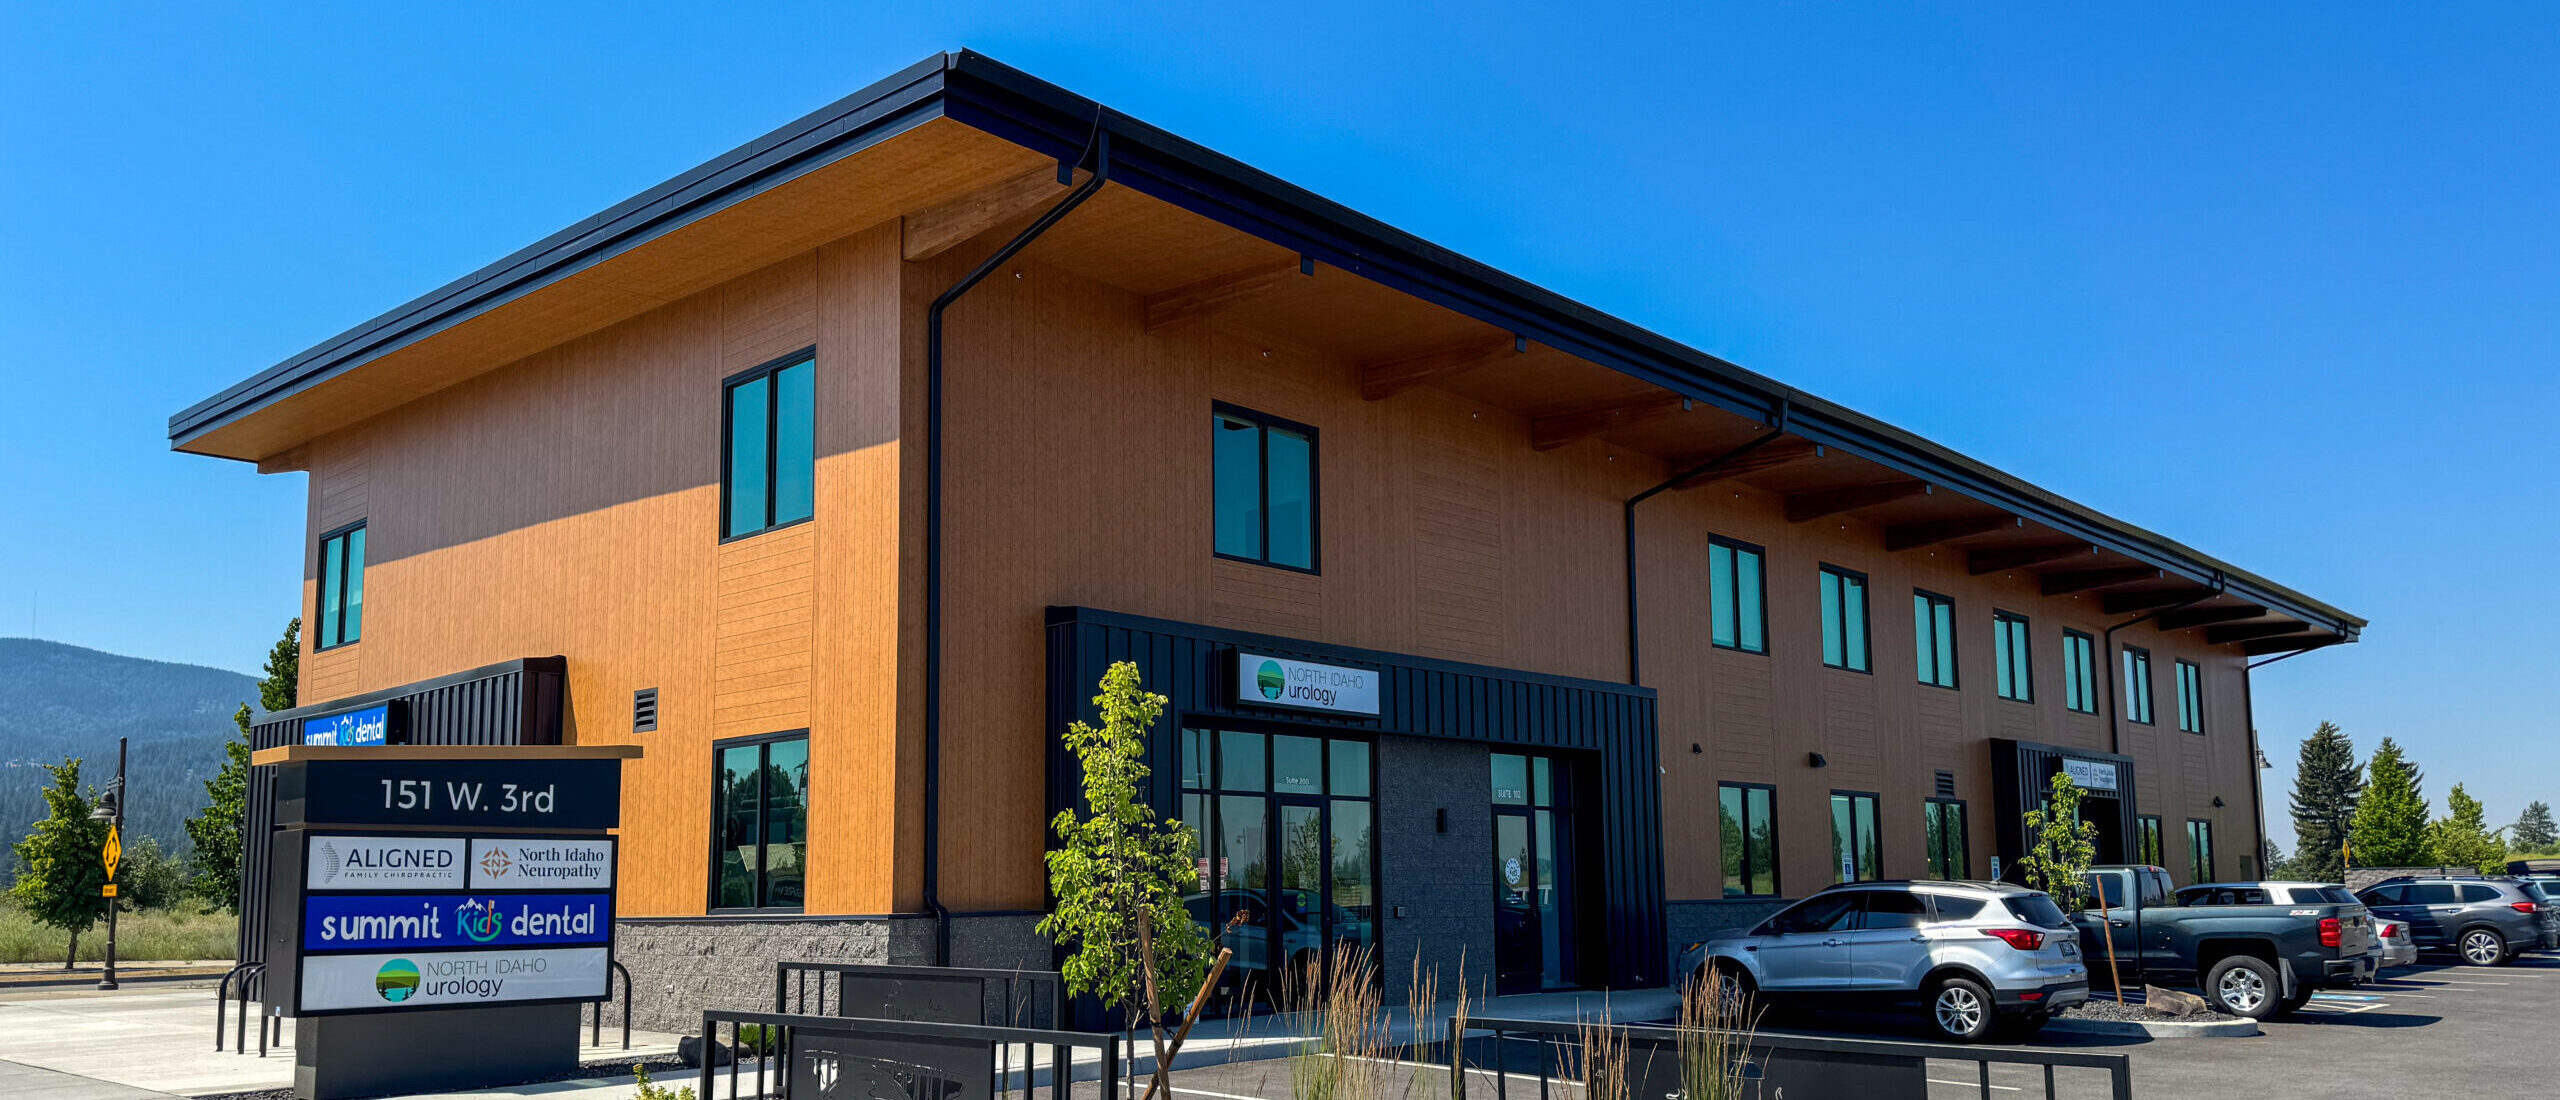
(1288, 853)
(1533, 903)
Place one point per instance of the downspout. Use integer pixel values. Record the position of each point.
(1635, 647)
(2115, 701)
(1098, 150)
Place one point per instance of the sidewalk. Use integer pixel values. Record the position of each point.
(37, 975)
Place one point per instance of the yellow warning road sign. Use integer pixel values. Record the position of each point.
(113, 853)
(107, 891)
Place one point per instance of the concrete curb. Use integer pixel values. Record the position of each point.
(2220, 1027)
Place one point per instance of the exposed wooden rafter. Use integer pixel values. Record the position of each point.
(1817, 503)
(1912, 536)
(2289, 644)
(1548, 431)
(1379, 381)
(1769, 456)
(1184, 304)
(2192, 617)
(2249, 632)
(2081, 580)
(2127, 603)
(2013, 557)
(934, 230)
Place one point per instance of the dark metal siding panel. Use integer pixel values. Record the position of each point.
(1611, 725)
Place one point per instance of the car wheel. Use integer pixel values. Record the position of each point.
(2244, 985)
(2484, 947)
(2301, 997)
(1961, 1010)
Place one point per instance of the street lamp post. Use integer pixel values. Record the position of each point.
(110, 809)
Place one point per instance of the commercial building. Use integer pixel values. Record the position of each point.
(834, 472)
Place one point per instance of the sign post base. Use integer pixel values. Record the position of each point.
(377, 1054)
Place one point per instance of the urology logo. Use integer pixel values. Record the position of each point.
(479, 920)
(1269, 679)
(396, 980)
(496, 864)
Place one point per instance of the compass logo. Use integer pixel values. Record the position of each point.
(495, 864)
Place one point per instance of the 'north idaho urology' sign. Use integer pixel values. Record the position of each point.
(384, 981)
(1267, 681)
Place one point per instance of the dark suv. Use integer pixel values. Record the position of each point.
(2485, 920)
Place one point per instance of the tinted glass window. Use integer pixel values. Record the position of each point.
(760, 825)
(771, 422)
(1263, 489)
(1736, 619)
(2432, 893)
(1933, 630)
(2479, 893)
(1844, 619)
(1895, 909)
(2009, 653)
(1829, 913)
(2333, 895)
(2155, 886)
(1952, 907)
(2385, 895)
(341, 588)
(1235, 456)
(1750, 841)
(2036, 909)
(1297, 764)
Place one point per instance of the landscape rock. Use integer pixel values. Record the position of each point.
(2174, 1002)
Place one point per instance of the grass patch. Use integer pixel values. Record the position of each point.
(143, 936)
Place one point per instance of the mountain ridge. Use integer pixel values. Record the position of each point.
(59, 700)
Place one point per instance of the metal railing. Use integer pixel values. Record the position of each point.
(783, 1043)
(1003, 998)
(595, 1009)
(245, 982)
(1558, 1049)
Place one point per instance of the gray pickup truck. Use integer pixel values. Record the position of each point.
(2249, 960)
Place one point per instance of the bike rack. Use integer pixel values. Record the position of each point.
(595, 1011)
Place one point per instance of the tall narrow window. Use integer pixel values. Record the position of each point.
(2137, 685)
(1750, 834)
(2199, 850)
(1933, 628)
(2009, 649)
(2190, 698)
(2079, 672)
(1855, 854)
(2147, 840)
(1738, 596)
(760, 822)
(341, 587)
(1844, 619)
(769, 426)
(1263, 476)
(1948, 858)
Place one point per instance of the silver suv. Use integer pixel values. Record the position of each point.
(1977, 958)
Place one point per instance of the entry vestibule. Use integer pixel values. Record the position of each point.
(1289, 841)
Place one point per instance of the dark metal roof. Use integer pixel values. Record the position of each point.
(976, 90)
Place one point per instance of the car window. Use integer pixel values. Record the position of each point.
(2036, 909)
(2115, 887)
(1828, 913)
(2476, 893)
(2155, 888)
(2328, 895)
(2538, 891)
(1955, 907)
(2196, 895)
(1887, 909)
(2431, 893)
(2395, 894)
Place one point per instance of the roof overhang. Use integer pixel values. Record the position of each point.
(635, 256)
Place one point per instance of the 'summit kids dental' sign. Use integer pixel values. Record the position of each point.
(1266, 681)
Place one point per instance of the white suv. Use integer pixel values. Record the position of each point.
(1976, 958)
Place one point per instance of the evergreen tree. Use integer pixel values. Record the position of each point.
(61, 872)
(216, 832)
(2462, 838)
(2391, 816)
(2326, 784)
(2534, 832)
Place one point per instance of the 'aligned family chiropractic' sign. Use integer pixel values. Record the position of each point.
(1266, 681)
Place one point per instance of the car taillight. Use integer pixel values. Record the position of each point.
(2523, 906)
(2390, 931)
(2329, 931)
(2020, 938)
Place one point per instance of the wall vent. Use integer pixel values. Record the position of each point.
(644, 711)
(1946, 784)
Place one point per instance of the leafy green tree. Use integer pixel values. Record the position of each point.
(216, 833)
(60, 871)
(2533, 830)
(2276, 864)
(1118, 866)
(2391, 818)
(149, 877)
(2326, 785)
(2060, 846)
(2462, 837)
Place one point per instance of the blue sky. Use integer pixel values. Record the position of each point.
(2283, 284)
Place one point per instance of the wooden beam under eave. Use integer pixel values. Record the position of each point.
(2014, 557)
(932, 231)
(294, 460)
(1548, 431)
(2250, 632)
(1185, 304)
(2192, 617)
(2289, 644)
(2126, 603)
(1912, 536)
(2081, 580)
(1379, 381)
(1803, 507)
(1768, 456)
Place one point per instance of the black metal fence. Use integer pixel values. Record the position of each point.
(790, 1056)
(1543, 1054)
(947, 994)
